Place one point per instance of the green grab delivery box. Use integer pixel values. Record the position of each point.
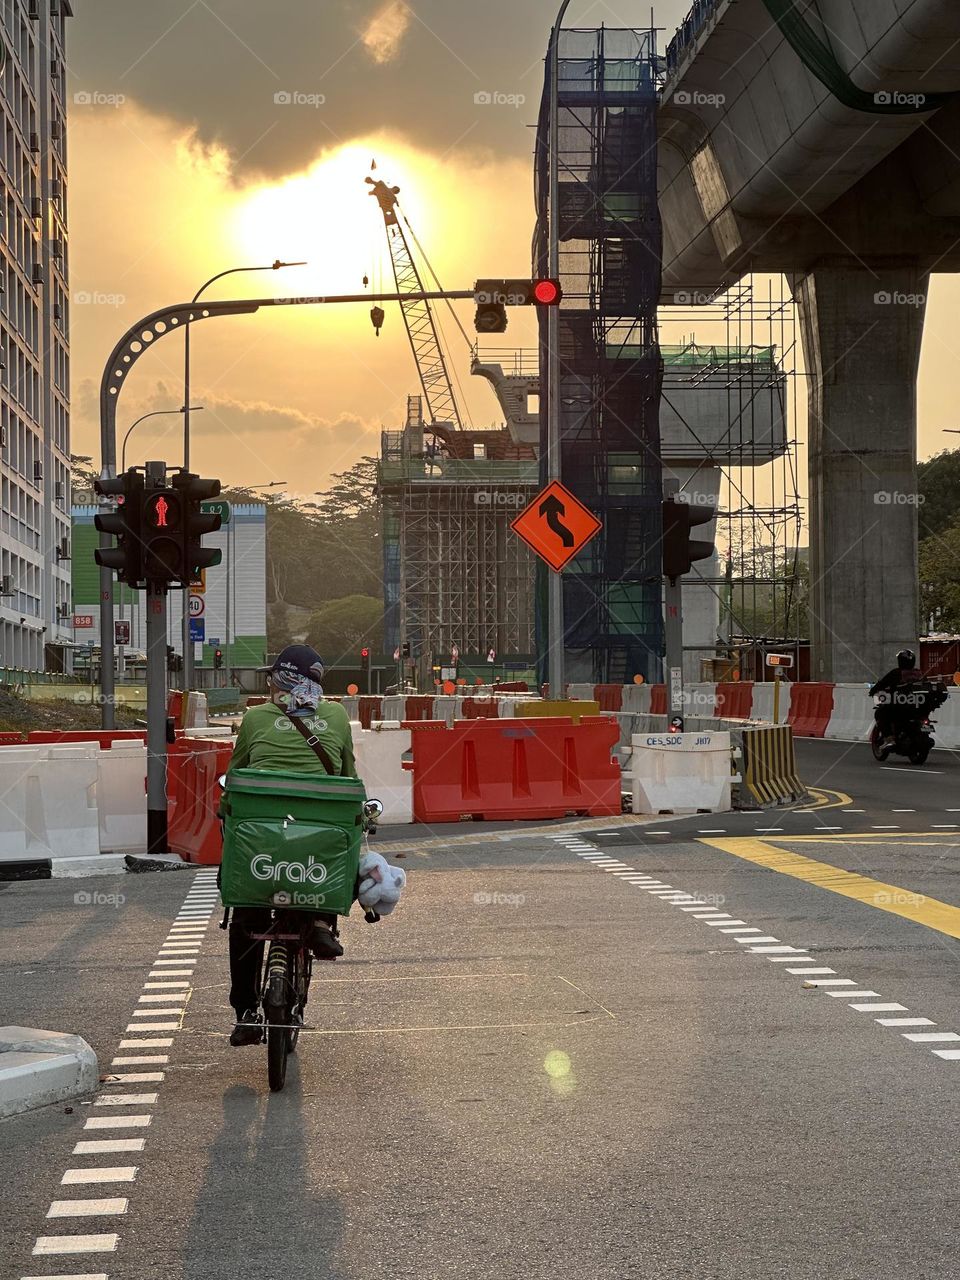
(291, 840)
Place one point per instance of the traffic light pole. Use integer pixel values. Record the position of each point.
(156, 637)
(673, 628)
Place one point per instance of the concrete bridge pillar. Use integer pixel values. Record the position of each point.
(861, 326)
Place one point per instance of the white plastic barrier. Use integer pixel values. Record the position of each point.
(762, 708)
(351, 704)
(49, 805)
(195, 715)
(947, 721)
(583, 692)
(700, 700)
(852, 717)
(636, 698)
(379, 755)
(680, 772)
(122, 798)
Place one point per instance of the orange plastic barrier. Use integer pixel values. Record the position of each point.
(105, 737)
(369, 709)
(501, 770)
(735, 699)
(480, 709)
(658, 699)
(418, 707)
(811, 706)
(176, 706)
(9, 739)
(193, 796)
(610, 696)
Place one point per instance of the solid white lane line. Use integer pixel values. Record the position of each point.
(930, 1037)
(944, 826)
(134, 1077)
(657, 833)
(108, 1146)
(48, 1245)
(118, 1122)
(86, 1208)
(883, 827)
(811, 971)
(712, 831)
(157, 1042)
(951, 1055)
(903, 811)
(125, 1100)
(119, 1173)
(906, 1022)
(141, 1060)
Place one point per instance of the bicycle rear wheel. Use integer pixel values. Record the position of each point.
(276, 1008)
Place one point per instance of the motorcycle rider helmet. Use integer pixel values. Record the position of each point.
(906, 659)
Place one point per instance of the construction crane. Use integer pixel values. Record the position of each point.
(438, 394)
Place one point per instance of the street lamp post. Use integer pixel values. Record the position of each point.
(276, 266)
(555, 637)
(157, 413)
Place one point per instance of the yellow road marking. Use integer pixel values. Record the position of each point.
(874, 893)
(868, 837)
(822, 796)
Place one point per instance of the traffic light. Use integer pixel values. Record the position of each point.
(196, 523)
(365, 660)
(494, 296)
(124, 523)
(161, 531)
(218, 659)
(680, 551)
(405, 649)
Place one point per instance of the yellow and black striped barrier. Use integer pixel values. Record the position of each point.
(769, 766)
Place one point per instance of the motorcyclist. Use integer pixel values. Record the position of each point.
(268, 739)
(893, 696)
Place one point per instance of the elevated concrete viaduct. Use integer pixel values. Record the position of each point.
(822, 140)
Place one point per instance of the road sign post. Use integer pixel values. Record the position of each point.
(778, 662)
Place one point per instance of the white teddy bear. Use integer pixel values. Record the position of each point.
(380, 884)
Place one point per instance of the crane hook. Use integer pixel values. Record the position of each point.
(377, 316)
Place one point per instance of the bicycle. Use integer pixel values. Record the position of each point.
(287, 969)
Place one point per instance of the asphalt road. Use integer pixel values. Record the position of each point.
(576, 1052)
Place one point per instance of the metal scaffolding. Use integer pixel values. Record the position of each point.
(455, 574)
(610, 268)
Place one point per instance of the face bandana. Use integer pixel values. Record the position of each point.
(302, 699)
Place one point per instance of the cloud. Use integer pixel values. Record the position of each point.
(384, 33)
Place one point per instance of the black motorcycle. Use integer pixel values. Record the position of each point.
(913, 728)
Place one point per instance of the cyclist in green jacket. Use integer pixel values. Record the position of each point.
(268, 739)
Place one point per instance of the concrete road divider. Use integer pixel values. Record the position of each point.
(40, 1067)
(504, 770)
(768, 767)
(680, 772)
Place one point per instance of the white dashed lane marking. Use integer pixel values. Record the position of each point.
(768, 948)
(169, 982)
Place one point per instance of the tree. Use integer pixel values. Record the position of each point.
(940, 581)
(938, 485)
(342, 627)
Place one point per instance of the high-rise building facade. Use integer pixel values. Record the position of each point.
(35, 617)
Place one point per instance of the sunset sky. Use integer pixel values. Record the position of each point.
(227, 133)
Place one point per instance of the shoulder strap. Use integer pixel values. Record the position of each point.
(313, 742)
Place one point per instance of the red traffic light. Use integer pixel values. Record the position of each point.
(547, 292)
(364, 653)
